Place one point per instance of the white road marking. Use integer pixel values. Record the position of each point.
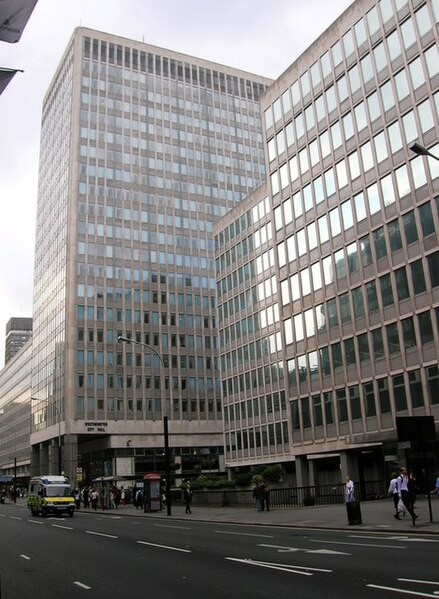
(398, 538)
(164, 547)
(304, 571)
(24, 556)
(169, 526)
(36, 522)
(63, 527)
(82, 585)
(419, 581)
(282, 549)
(15, 518)
(101, 534)
(358, 544)
(404, 591)
(3, 515)
(243, 534)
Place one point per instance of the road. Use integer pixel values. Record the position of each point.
(101, 556)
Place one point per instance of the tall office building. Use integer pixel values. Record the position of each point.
(142, 149)
(328, 285)
(18, 332)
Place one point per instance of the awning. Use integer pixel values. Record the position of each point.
(6, 77)
(5, 478)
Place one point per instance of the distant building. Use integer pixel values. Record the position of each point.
(18, 332)
(328, 277)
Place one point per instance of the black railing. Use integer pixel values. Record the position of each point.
(286, 497)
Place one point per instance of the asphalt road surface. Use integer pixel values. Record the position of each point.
(105, 556)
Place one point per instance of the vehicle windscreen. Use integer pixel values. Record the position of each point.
(58, 491)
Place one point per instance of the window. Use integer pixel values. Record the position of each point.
(354, 401)
(329, 409)
(369, 396)
(386, 290)
(342, 407)
(384, 396)
(399, 392)
(418, 278)
(433, 384)
(378, 346)
(402, 285)
(411, 232)
(425, 327)
(363, 347)
(408, 332)
(415, 386)
(394, 235)
(433, 265)
(372, 298)
(393, 338)
(357, 300)
(427, 221)
(317, 410)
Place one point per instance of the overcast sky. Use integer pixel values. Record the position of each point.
(259, 36)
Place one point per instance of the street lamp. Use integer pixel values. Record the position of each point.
(57, 414)
(421, 151)
(165, 421)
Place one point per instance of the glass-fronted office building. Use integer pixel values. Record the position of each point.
(327, 277)
(142, 149)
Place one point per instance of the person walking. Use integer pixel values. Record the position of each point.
(94, 497)
(349, 490)
(138, 499)
(187, 496)
(393, 492)
(403, 493)
(258, 494)
(86, 497)
(266, 496)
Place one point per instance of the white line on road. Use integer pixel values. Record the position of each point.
(82, 585)
(36, 522)
(15, 518)
(243, 534)
(101, 534)
(358, 544)
(404, 591)
(392, 538)
(419, 581)
(283, 567)
(24, 556)
(169, 526)
(164, 547)
(63, 527)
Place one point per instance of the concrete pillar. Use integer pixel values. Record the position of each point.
(70, 457)
(312, 472)
(349, 466)
(302, 473)
(43, 459)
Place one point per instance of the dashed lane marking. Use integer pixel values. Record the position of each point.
(100, 534)
(304, 571)
(164, 547)
(82, 585)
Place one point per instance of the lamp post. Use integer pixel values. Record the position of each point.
(165, 421)
(421, 151)
(58, 416)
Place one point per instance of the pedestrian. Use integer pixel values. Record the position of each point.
(138, 499)
(258, 493)
(94, 498)
(187, 496)
(122, 496)
(412, 487)
(435, 491)
(77, 497)
(266, 489)
(404, 495)
(112, 501)
(349, 490)
(86, 497)
(393, 492)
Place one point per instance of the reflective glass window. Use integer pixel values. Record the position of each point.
(380, 243)
(348, 43)
(432, 60)
(330, 182)
(268, 118)
(378, 345)
(336, 135)
(426, 116)
(418, 278)
(336, 53)
(297, 204)
(295, 93)
(328, 271)
(367, 68)
(320, 108)
(309, 117)
(286, 101)
(387, 190)
(433, 372)
(374, 106)
(372, 297)
(360, 116)
(394, 235)
(288, 213)
(433, 267)
(303, 161)
(408, 33)
(345, 310)
(342, 175)
(306, 289)
(315, 74)
(386, 290)
(409, 125)
(314, 152)
(348, 219)
(365, 251)
(340, 264)
(394, 45)
(323, 228)
(425, 328)
(331, 100)
(402, 86)
(379, 142)
(410, 229)
(369, 397)
(402, 181)
(402, 286)
(334, 219)
(399, 392)
(360, 207)
(325, 146)
(416, 73)
(379, 54)
(360, 32)
(301, 242)
(283, 171)
(408, 332)
(295, 288)
(373, 21)
(307, 197)
(289, 134)
(274, 183)
(325, 62)
(354, 165)
(316, 276)
(387, 97)
(367, 156)
(354, 78)
(427, 222)
(294, 171)
(384, 395)
(393, 338)
(304, 83)
(363, 347)
(352, 253)
(348, 125)
(386, 10)
(277, 111)
(342, 88)
(395, 137)
(299, 124)
(337, 360)
(280, 141)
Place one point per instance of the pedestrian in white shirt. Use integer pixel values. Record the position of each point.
(403, 493)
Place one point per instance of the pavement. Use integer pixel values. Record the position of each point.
(375, 515)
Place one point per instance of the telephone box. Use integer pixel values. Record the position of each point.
(152, 499)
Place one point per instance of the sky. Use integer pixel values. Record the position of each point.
(258, 36)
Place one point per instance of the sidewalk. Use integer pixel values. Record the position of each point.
(376, 516)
